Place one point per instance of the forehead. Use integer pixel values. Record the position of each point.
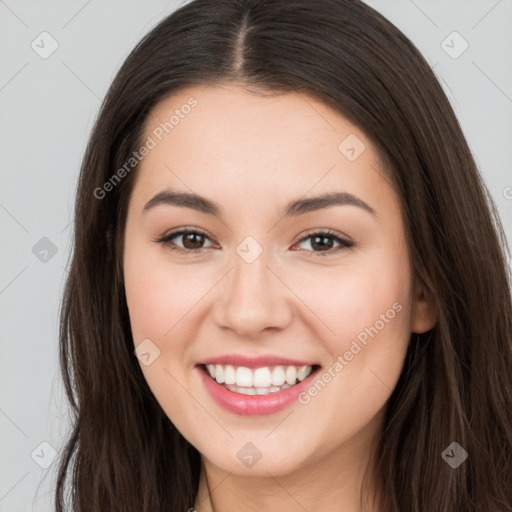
(233, 113)
(225, 140)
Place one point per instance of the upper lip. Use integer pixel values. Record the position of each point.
(254, 361)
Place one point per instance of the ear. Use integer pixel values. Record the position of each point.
(424, 315)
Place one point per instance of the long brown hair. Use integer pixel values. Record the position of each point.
(123, 453)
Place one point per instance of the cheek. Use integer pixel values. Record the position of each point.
(373, 326)
(158, 295)
(368, 310)
(342, 300)
(348, 299)
(157, 302)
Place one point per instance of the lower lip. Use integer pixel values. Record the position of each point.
(253, 405)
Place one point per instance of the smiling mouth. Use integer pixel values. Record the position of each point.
(258, 381)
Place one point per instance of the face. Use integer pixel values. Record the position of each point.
(306, 310)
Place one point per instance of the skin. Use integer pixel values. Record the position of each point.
(253, 155)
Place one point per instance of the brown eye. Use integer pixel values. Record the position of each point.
(322, 242)
(192, 241)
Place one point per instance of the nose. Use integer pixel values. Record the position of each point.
(253, 298)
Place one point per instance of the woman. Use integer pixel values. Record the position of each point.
(288, 289)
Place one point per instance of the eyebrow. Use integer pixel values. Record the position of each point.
(293, 209)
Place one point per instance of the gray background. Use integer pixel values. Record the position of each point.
(47, 110)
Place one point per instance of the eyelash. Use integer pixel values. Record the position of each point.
(166, 241)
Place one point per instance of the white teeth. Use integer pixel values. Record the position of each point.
(303, 372)
(262, 378)
(278, 376)
(244, 377)
(247, 391)
(242, 390)
(219, 373)
(258, 381)
(291, 375)
(229, 374)
(256, 391)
